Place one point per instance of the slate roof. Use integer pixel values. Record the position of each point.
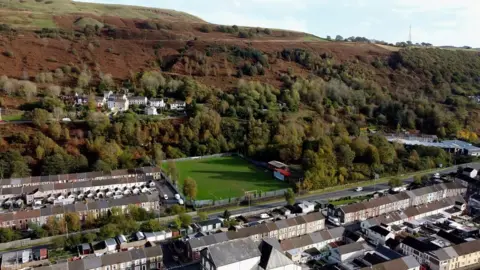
(349, 248)
(233, 251)
(356, 207)
(421, 246)
(40, 180)
(404, 263)
(380, 230)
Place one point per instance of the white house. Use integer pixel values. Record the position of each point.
(118, 103)
(137, 100)
(307, 207)
(157, 103)
(178, 105)
(151, 110)
(348, 252)
(379, 234)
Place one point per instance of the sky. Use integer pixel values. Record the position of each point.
(440, 22)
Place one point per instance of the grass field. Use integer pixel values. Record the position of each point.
(226, 177)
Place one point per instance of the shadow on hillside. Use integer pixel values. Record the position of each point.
(224, 162)
(249, 177)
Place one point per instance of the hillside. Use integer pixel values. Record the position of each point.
(270, 94)
(41, 13)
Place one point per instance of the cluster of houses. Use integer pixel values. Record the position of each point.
(141, 258)
(375, 234)
(35, 199)
(390, 203)
(21, 219)
(122, 102)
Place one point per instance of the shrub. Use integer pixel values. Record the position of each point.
(8, 54)
(205, 28)
(51, 59)
(5, 27)
(267, 31)
(243, 34)
(49, 2)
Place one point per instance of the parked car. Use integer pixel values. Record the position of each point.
(180, 201)
(165, 196)
(66, 120)
(177, 196)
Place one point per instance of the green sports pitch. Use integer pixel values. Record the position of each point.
(226, 177)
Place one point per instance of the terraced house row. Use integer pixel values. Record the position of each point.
(47, 189)
(21, 219)
(281, 229)
(386, 204)
(152, 173)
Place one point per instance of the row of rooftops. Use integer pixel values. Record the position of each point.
(442, 253)
(53, 187)
(64, 178)
(414, 211)
(94, 262)
(407, 262)
(411, 194)
(50, 210)
(312, 238)
(263, 228)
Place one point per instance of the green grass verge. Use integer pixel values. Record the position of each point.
(13, 117)
(226, 177)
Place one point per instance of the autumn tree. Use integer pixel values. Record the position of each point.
(202, 216)
(290, 196)
(190, 188)
(395, 182)
(40, 117)
(172, 171)
(73, 222)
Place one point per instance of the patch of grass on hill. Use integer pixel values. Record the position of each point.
(82, 22)
(68, 6)
(226, 177)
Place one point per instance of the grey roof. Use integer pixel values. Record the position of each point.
(349, 248)
(116, 258)
(233, 251)
(92, 262)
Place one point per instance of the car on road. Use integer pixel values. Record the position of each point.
(180, 201)
(358, 189)
(177, 196)
(165, 196)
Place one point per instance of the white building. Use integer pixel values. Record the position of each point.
(178, 105)
(118, 103)
(157, 103)
(348, 252)
(307, 207)
(379, 234)
(137, 100)
(151, 110)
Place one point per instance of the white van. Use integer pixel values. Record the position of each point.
(358, 189)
